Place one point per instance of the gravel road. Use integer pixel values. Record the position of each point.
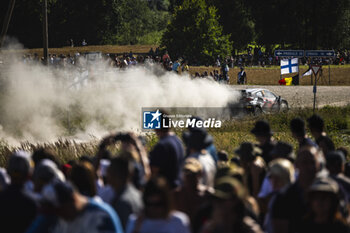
(303, 96)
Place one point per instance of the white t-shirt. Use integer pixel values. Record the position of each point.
(209, 167)
(176, 223)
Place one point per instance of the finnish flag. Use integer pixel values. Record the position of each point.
(289, 66)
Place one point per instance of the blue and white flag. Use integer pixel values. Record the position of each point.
(289, 66)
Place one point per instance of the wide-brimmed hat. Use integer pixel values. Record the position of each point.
(197, 138)
(248, 151)
(262, 128)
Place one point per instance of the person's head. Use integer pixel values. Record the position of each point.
(45, 172)
(61, 199)
(163, 131)
(44, 153)
(157, 199)
(297, 127)
(119, 173)
(326, 145)
(262, 131)
(20, 167)
(247, 153)
(323, 199)
(281, 173)
(308, 163)
(83, 177)
(315, 124)
(228, 203)
(197, 139)
(192, 172)
(283, 150)
(242, 68)
(335, 162)
(223, 156)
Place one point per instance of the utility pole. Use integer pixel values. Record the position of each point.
(6, 21)
(45, 33)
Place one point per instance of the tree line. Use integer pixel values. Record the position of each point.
(197, 29)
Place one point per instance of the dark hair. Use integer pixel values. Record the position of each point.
(316, 122)
(83, 178)
(297, 126)
(44, 153)
(121, 166)
(158, 186)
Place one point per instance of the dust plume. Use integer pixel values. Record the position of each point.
(40, 103)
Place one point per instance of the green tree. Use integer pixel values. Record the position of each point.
(236, 20)
(195, 34)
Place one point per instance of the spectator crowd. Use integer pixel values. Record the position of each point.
(182, 185)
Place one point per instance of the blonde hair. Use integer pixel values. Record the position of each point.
(282, 168)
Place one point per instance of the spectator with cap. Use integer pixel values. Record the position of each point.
(127, 199)
(254, 166)
(229, 214)
(158, 215)
(316, 126)
(192, 194)
(263, 135)
(290, 205)
(197, 140)
(166, 158)
(17, 208)
(297, 127)
(324, 215)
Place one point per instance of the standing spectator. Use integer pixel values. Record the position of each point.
(176, 66)
(229, 211)
(263, 135)
(84, 43)
(316, 126)
(335, 164)
(290, 205)
(323, 215)
(17, 208)
(191, 196)
(167, 157)
(197, 140)
(224, 72)
(297, 127)
(242, 77)
(281, 174)
(254, 166)
(74, 212)
(127, 199)
(158, 215)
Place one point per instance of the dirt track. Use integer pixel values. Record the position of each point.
(303, 96)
